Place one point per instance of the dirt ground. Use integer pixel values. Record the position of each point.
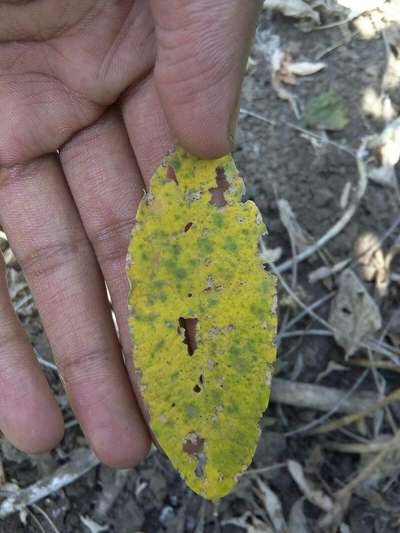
(343, 479)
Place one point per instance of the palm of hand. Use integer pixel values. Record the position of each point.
(92, 94)
(63, 81)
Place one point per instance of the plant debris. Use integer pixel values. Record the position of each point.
(354, 314)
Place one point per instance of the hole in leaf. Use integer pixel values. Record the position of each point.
(193, 444)
(190, 295)
(201, 379)
(171, 175)
(188, 226)
(189, 326)
(197, 388)
(217, 193)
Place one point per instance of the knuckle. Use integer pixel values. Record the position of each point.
(83, 366)
(75, 149)
(17, 171)
(48, 259)
(111, 241)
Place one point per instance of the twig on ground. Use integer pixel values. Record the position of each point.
(304, 332)
(345, 397)
(324, 272)
(46, 517)
(320, 398)
(335, 46)
(36, 521)
(71, 423)
(350, 419)
(201, 517)
(366, 472)
(356, 447)
(290, 125)
(44, 362)
(302, 314)
(84, 461)
(382, 365)
(264, 469)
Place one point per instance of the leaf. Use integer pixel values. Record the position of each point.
(93, 526)
(387, 149)
(326, 112)
(298, 236)
(315, 496)
(354, 315)
(297, 519)
(305, 68)
(202, 318)
(273, 507)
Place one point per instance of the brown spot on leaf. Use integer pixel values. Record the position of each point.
(217, 193)
(188, 325)
(193, 443)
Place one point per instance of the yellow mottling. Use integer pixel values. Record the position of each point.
(195, 262)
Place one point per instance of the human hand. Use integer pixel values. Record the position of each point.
(92, 94)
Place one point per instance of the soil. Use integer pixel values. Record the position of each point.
(278, 162)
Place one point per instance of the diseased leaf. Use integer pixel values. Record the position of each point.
(326, 112)
(202, 318)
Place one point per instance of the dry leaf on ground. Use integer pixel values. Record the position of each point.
(273, 507)
(354, 315)
(93, 526)
(305, 68)
(298, 236)
(313, 495)
(297, 519)
(386, 148)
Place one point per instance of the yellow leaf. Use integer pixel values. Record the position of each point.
(202, 318)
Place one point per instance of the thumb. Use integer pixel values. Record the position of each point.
(202, 50)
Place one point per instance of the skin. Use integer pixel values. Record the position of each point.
(92, 95)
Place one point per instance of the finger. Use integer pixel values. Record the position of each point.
(101, 171)
(147, 127)
(202, 49)
(29, 415)
(51, 245)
